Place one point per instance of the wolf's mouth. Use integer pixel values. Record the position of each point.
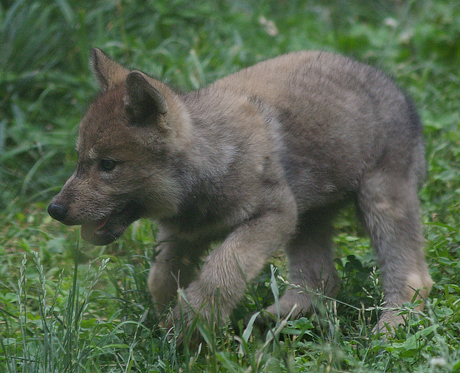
(110, 228)
(94, 232)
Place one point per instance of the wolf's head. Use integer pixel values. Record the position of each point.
(126, 148)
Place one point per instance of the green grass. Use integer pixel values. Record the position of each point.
(66, 306)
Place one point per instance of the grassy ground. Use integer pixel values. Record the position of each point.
(68, 307)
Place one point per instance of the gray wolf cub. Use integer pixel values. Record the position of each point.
(258, 161)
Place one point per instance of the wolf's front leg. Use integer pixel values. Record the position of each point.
(175, 266)
(222, 280)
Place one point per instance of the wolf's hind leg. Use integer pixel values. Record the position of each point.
(311, 266)
(389, 206)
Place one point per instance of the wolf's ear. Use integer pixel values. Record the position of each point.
(144, 97)
(107, 72)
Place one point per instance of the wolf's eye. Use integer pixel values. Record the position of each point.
(107, 165)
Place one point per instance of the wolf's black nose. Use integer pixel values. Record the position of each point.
(57, 212)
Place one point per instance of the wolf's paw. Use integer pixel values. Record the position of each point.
(182, 326)
(388, 323)
(189, 316)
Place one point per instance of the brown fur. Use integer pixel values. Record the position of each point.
(260, 160)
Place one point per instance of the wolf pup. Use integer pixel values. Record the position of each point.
(257, 161)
